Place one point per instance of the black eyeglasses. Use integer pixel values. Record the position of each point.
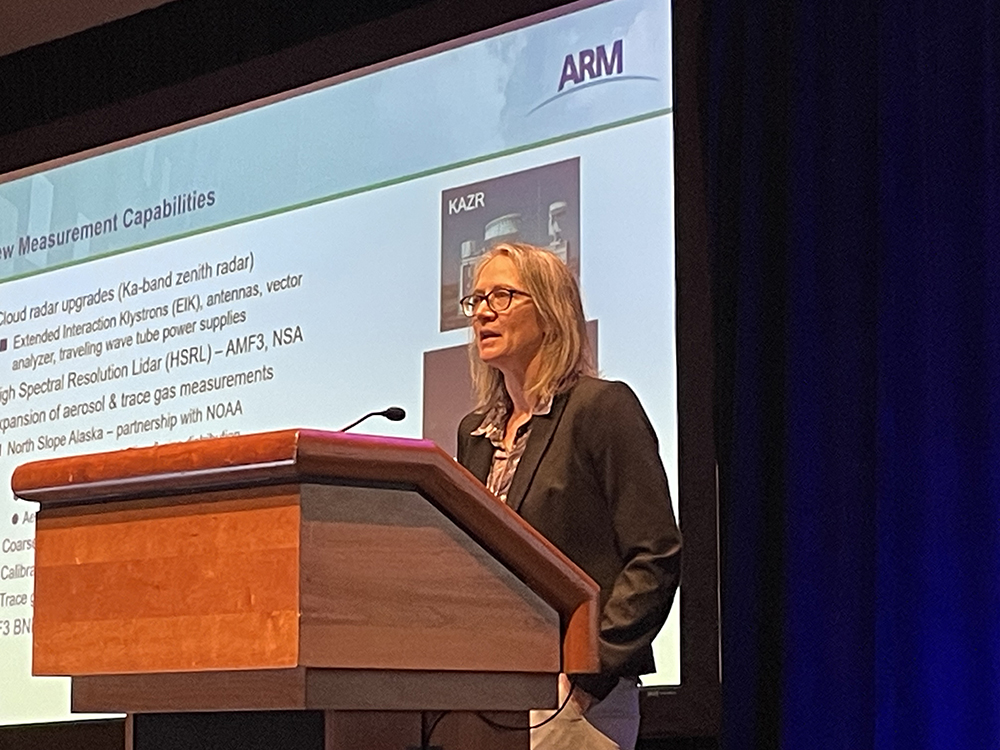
(497, 300)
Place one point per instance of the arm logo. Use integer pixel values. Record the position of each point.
(579, 70)
(591, 67)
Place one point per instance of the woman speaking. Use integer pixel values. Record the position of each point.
(577, 458)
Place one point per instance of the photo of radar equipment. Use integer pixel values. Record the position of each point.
(540, 206)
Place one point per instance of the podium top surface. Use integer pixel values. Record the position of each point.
(283, 456)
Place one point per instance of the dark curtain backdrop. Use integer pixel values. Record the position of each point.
(853, 154)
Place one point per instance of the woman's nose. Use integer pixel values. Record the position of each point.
(483, 310)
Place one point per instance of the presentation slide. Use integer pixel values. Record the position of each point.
(298, 263)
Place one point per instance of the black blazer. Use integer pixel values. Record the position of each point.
(591, 481)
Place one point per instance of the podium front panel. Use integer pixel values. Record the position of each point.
(315, 575)
(209, 581)
(390, 582)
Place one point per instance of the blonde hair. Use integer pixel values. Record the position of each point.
(566, 354)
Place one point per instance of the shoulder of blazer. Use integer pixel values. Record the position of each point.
(597, 398)
(589, 397)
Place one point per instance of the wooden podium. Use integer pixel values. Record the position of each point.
(371, 579)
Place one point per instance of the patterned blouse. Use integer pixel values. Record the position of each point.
(505, 462)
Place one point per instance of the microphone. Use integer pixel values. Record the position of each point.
(393, 414)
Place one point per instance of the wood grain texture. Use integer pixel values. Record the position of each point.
(410, 690)
(126, 473)
(301, 688)
(295, 456)
(263, 690)
(200, 585)
(462, 497)
(415, 598)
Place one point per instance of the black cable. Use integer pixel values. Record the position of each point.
(507, 728)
